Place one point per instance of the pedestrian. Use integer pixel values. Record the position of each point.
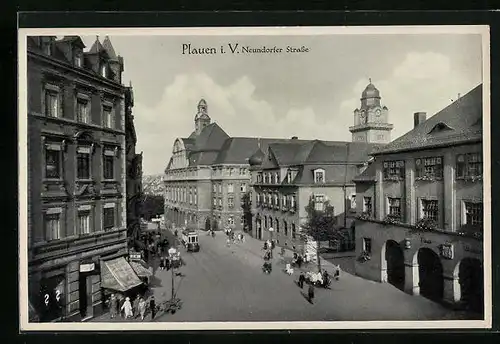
(302, 279)
(283, 250)
(310, 293)
(142, 308)
(175, 233)
(242, 238)
(113, 306)
(162, 265)
(336, 274)
(152, 305)
(273, 245)
(228, 242)
(167, 264)
(135, 310)
(299, 261)
(127, 308)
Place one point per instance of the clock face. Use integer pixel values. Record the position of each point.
(363, 114)
(377, 112)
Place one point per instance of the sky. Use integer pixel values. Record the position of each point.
(311, 95)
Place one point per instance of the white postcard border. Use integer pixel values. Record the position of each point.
(25, 325)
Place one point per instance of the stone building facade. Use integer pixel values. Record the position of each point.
(420, 207)
(76, 174)
(133, 171)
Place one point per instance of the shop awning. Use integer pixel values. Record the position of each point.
(140, 269)
(117, 274)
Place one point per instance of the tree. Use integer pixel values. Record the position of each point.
(152, 206)
(246, 205)
(321, 225)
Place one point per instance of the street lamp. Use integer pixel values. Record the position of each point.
(271, 230)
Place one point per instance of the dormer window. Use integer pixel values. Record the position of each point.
(289, 177)
(78, 60)
(104, 71)
(319, 176)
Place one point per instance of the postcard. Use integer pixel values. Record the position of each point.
(254, 178)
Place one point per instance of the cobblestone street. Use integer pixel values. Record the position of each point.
(222, 283)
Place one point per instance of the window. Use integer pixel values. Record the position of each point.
(429, 209)
(469, 165)
(394, 207)
(473, 213)
(319, 201)
(284, 201)
(214, 189)
(107, 113)
(230, 220)
(104, 71)
(294, 231)
(367, 205)
(259, 177)
(394, 170)
(289, 177)
(195, 196)
(108, 216)
(220, 201)
(230, 188)
(84, 221)
(52, 222)
(276, 200)
(82, 110)
(220, 188)
(243, 187)
(215, 201)
(109, 164)
(277, 178)
(293, 202)
(230, 202)
(257, 198)
(429, 167)
(51, 103)
(285, 228)
(266, 178)
(190, 196)
(53, 166)
(319, 176)
(83, 163)
(78, 60)
(367, 245)
(277, 222)
(353, 202)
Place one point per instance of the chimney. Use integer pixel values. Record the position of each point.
(419, 118)
(295, 138)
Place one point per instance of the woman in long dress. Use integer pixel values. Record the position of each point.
(127, 307)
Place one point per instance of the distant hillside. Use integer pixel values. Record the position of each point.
(152, 184)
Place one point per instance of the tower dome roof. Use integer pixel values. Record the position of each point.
(370, 92)
(257, 158)
(202, 102)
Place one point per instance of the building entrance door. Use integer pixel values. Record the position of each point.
(85, 296)
(471, 284)
(395, 264)
(430, 274)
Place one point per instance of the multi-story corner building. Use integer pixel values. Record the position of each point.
(76, 174)
(420, 204)
(207, 176)
(133, 170)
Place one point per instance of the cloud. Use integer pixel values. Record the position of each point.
(419, 82)
(422, 81)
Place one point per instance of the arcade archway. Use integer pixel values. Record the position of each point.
(471, 280)
(395, 260)
(430, 271)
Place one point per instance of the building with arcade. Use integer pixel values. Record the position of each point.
(420, 207)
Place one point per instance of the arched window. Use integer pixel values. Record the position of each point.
(285, 227)
(104, 71)
(277, 226)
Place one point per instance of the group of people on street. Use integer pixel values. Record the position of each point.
(128, 310)
(231, 237)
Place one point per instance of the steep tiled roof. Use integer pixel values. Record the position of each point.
(212, 137)
(237, 150)
(96, 47)
(458, 122)
(188, 143)
(339, 173)
(109, 48)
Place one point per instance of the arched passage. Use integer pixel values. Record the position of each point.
(430, 272)
(259, 228)
(470, 276)
(395, 260)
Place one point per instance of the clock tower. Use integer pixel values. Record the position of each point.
(371, 119)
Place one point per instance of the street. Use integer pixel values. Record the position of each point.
(221, 283)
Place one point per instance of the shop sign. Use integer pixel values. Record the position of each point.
(135, 256)
(87, 267)
(425, 241)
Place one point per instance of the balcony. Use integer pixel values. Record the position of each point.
(76, 244)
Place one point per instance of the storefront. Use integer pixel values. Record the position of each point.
(88, 286)
(118, 277)
(51, 298)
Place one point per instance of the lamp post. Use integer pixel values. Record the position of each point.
(271, 230)
(172, 253)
